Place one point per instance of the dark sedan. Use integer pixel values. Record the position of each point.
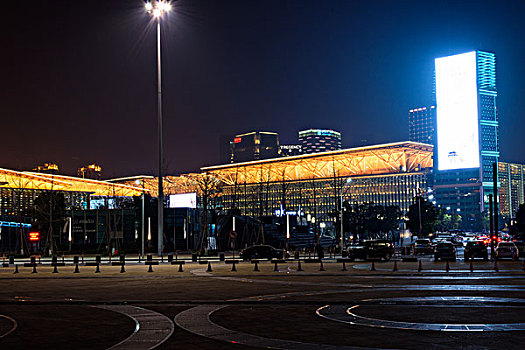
(445, 251)
(263, 252)
(372, 249)
(476, 249)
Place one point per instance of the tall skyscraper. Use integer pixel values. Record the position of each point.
(319, 140)
(512, 191)
(467, 131)
(254, 145)
(422, 125)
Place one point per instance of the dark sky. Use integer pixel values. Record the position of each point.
(79, 77)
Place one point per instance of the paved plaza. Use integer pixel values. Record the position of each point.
(356, 306)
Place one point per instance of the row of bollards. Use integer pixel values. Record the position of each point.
(255, 268)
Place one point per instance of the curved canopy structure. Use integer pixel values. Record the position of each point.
(40, 181)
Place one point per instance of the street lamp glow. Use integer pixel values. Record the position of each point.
(157, 8)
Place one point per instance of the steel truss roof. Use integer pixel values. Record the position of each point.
(362, 161)
(40, 181)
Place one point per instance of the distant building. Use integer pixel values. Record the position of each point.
(319, 140)
(422, 125)
(512, 187)
(91, 171)
(290, 150)
(47, 168)
(254, 145)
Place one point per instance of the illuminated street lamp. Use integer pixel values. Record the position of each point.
(158, 9)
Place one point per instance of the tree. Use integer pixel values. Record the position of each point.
(520, 220)
(368, 220)
(50, 212)
(429, 216)
(447, 222)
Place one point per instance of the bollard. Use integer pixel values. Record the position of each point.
(275, 268)
(75, 259)
(33, 260)
(34, 269)
(209, 267)
(98, 259)
(256, 266)
(170, 258)
(150, 269)
(63, 258)
(321, 267)
(110, 258)
(11, 260)
(82, 257)
(344, 267)
(76, 269)
(54, 260)
(97, 270)
(16, 269)
(471, 266)
(420, 267)
(139, 257)
(55, 269)
(496, 266)
(373, 267)
(447, 267)
(395, 266)
(39, 261)
(299, 266)
(234, 269)
(180, 268)
(122, 259)
(122, 270)
(161, 258)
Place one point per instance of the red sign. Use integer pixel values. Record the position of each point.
(237, 139)
(34, 236)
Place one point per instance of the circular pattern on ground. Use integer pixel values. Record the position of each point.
(345, 314)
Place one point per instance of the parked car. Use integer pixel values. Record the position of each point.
(476, 249)
(507, 250)
(445, 251)
(521, 248)
(371, 249)
(423, 246)
(263, 252)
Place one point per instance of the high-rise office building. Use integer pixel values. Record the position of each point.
(47, 168)
(467, 131)
(91, 171)
(290, 150)
(254, 145)
(512, 188)
(422, 125)
(319, 140)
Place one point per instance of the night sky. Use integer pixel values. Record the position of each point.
(79, 77)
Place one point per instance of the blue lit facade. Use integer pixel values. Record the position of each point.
(465, 191)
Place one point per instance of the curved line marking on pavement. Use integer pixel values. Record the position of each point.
(197, 321)
(15, 326)
(152, 328)
(358, 286)
(347, 315)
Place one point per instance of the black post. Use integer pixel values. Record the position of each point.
(496, 210)
(491, 217)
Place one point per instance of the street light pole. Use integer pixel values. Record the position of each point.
(157, 9)
(159, 112)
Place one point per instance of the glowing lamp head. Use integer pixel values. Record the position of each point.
(149, 7)
(164, 6)
(157, 12)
